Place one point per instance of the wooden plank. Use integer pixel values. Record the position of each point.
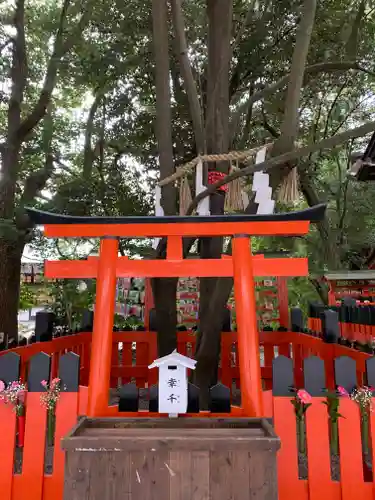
(98, 463)
(118, 477)
(66, 418)
(150, 475)
(79, 487)
(287, 459)
(263, 477)
(242, 479)
(180, 485)
(200, 472)
(318, 453)
(7, 443)
(351, 467)
(30, 485)
(220, 474)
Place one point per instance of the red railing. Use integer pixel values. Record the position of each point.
(41, 474)
(133, 352)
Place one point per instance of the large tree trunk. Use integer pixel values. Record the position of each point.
(219, 13)
(10, 271)
(10, 255)
(220, 289)
(13, 226)
(164, 289)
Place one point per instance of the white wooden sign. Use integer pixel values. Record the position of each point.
(173, 382)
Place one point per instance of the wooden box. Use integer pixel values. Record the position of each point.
(171, 459)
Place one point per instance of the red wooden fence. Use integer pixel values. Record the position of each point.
(34, 484)
(133, 351)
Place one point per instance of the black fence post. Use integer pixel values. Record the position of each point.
(87, 322)
(39, 370)
(220, 399)
(282, 376)
(69, 369)
(129, 398)
(44, 322)
(330, 326)
(345, 373)
(314, 376)
(296, 319)
(370, 371)
(10, 364)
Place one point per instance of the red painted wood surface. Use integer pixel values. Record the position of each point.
(126, 268)
(285, 427)
(287, 228)
(34, 484)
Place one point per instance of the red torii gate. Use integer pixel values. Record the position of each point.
(242, 265)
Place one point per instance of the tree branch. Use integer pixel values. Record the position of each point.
(5, 44)
(163, 127)
(285, 158)
(88, 155)
(187, 75)
(36, 181)
(313, 70)
(59, 50)
(18, 71)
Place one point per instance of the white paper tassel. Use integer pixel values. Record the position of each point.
(159, 211)
(266, 207)
(261, 187)
(203, 207)
(264, 193)
(260, 180)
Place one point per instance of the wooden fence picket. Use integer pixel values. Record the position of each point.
(29, 484)
(287, 458)
(66, 418)
(351, 463)
(318, 453)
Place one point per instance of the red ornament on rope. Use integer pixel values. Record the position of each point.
(214, 177)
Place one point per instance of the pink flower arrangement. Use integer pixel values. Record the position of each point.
(15, 395)
(342, 391)
(363, 397)
(52, 395)
(304, 396)
(301, 402)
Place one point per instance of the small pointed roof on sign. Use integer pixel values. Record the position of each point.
(174, 358)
